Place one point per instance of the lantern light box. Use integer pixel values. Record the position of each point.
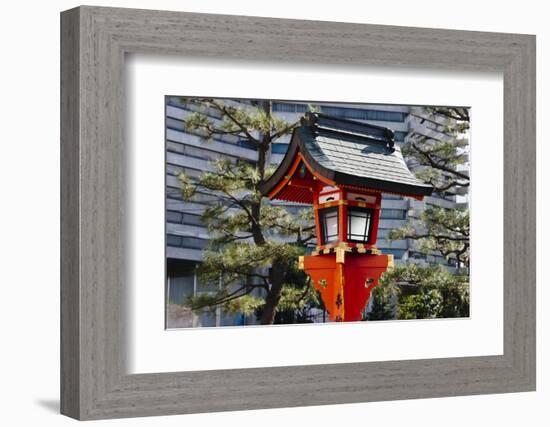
(341, 167)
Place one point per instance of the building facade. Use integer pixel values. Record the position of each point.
(187, 237)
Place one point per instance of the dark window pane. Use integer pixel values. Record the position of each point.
(247, 144)
(173, 240)
(193, 243)
(399, 136)
(289, 107)
(361, 114)
(191, 219)
(397, 253)
(344, 112)
(174, 217)
(391, 197)
(279, 148)
(393, 214)
(186, 242)
(181, 287)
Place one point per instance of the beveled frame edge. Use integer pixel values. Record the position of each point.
(94, 41)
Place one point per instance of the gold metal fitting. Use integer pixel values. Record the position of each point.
(340, 255)
(344, 246)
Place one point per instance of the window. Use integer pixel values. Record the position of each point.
(191, 219)
(246, 144)
(397, 253)
(183, 218)
(174, 217)
(279, 148)
(289, 107)
(399, 136)
(393, 214)
(359, 224)
(344, 112)
(363, 114)
(329, 224)
(180, 288)
(186, 242)
(391, 197)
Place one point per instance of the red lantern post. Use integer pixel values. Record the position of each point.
(341, 167)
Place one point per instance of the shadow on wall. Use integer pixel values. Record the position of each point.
(51, 405)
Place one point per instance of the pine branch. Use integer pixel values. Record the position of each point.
(458, 114)
(285, 130)
(222, 108)
(434, 164)
(451, 184)
(437, 237)
(302, 241)
(306, 290)
(239, 293)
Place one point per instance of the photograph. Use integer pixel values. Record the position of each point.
(303, 211)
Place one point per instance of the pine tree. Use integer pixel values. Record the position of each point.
(424, 291)
(438, 163)
(414, 291)
(255, 245)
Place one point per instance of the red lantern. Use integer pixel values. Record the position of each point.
(342, 167)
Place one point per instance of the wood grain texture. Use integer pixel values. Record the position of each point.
(70, 321)
(94, 382)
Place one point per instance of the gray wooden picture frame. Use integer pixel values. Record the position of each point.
(94, 41)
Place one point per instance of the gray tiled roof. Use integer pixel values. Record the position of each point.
(352, 153)
(362, 159)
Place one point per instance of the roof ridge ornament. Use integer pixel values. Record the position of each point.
(372, 133)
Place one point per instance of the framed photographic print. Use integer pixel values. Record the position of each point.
(294, 213)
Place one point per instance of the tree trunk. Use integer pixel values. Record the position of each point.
(278, 270)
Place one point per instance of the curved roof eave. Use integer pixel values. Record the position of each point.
(298, 144)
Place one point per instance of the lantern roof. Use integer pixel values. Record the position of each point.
(344, 153)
